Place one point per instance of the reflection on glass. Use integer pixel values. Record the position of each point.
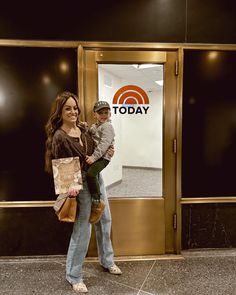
(2, 98)
(46, 79)
(212, 55)
(64, 67)
(137, 115)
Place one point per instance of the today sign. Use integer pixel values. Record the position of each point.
(130, 99)
(130, 110)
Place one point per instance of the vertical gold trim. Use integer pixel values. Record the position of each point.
(91, 79)
(177, 67)
(179, 150)
(169, 172)
(175, 146)
(81, 81)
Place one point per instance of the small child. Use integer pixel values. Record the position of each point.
(103, 135)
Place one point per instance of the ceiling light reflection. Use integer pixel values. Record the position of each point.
(64, 67)
(2, 99)
(46, 79)
(213, 55)
(146, 66)
(159, 82)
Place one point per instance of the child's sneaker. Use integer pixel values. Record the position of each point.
(96, 212)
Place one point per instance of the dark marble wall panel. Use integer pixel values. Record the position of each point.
(30, 79)
(103, 20)
(208, 226)
(192, 21)
(209, 124)
(211, 21)
(32, 231)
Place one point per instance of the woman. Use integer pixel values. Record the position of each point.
(66, 137)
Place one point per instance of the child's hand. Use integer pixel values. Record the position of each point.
(89, 160)
(84, 125)
(111, 150)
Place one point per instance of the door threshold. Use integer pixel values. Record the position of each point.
(141, 258)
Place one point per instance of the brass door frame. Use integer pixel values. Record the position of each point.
(89, 59)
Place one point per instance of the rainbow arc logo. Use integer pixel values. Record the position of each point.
(128, 96)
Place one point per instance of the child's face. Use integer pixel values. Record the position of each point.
(102, 115)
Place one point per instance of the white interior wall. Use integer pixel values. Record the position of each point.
(142, 135)
(138, 140)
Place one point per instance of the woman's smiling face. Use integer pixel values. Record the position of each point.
(70, 111)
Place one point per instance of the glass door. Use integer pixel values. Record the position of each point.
(135, 93)
(141, 88)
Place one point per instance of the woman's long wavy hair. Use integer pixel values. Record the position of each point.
(55, 122)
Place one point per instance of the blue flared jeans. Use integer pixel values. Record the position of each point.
(80, 237)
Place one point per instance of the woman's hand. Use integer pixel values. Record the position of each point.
(73, 192)
(111, 150)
